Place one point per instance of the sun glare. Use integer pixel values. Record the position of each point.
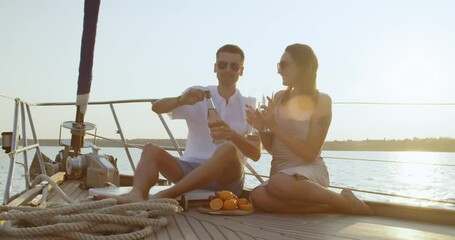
(295, 107)
(417, 176)
(391, 232)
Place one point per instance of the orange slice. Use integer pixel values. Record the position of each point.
(247, 206)
(216, 204)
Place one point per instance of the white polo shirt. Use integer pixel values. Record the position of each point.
(199, 145)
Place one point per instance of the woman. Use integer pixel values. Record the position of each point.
(293, 128)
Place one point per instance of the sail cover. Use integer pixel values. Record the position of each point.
(91, 9)
(84, 82)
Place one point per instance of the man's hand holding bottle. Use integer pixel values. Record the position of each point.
(192, 96)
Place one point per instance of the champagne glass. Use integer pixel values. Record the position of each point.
(254, 104)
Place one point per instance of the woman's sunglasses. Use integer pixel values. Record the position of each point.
(283, 65)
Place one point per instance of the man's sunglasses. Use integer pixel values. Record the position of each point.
(222, 65)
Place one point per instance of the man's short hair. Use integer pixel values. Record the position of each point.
(231, 48)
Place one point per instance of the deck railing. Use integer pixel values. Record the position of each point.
(22, 112)
(24, 148)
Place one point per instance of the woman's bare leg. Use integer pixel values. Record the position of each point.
(288, 188)
(263, 200)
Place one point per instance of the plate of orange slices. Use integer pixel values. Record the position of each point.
(227, 203)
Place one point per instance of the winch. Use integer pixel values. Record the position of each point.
(95, 169)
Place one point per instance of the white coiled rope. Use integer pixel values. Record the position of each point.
(95, 220)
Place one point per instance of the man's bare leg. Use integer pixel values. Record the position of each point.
(224, 166)
(153, 160)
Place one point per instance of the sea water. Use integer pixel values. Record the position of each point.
(425, 175)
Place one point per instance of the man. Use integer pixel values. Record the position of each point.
(204, 164)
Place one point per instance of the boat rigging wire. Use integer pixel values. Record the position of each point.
(3, 96)
(395, 195)
(398, 103)
(335, 102)
(383, 161)
(389, 161)
(258, 175)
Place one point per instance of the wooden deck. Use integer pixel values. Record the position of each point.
(195, 225)
(311, 226)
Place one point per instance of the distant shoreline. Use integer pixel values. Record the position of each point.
(415, 144)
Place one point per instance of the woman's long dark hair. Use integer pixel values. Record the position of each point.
(307, 63)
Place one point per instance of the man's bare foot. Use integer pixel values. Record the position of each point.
(161, 194)
(355, 205)
(124, 198)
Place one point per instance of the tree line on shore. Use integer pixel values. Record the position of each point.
(414, 144)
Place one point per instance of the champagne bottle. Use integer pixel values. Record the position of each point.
(213, 117)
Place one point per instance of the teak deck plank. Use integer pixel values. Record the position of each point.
(79, 194)
(184, 227)
(226, 222)
(161, 234)
(213, 230)
(245, 237)
(173, 228)
(228, 233)
(69, 188)
(198, 228)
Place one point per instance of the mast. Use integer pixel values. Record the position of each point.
(91, 10)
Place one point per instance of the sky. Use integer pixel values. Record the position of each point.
(368, 51)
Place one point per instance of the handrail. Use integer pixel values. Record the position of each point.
(388, 161)
(253, 173)
(152, 100)
(168, 130)
(120, 131)
(383, 161)
(395, 195)
(123, 142)
(16, 149)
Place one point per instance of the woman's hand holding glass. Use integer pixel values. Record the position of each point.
(262, 119)
(268, 115)
(254, 118)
